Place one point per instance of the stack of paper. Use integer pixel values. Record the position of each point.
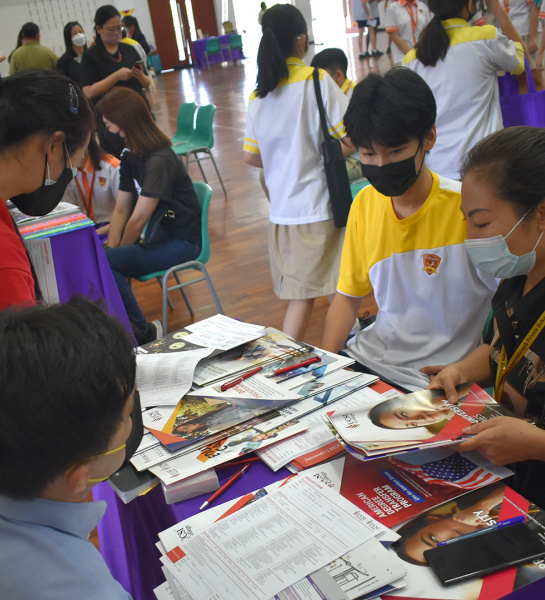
(297, 540)
(418, 420)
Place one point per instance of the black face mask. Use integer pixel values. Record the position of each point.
(42, 201)
(137, 430)
(393, 179)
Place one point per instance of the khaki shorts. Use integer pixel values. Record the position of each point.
(305, 259)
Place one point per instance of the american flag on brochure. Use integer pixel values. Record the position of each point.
(455, 470)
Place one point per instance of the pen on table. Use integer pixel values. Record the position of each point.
(303, 363)
(226, 486)
(229, 384)
(499, 525)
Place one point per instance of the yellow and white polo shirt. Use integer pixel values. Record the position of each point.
(465, 86)
(432, 302)
(284, 128)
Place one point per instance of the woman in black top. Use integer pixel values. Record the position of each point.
(110, 63)
(503, 198)
(153, 183)
(133, 31)
(76, 42)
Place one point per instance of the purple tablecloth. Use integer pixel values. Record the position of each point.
(128, 532)
(81, 268)
(199, 48)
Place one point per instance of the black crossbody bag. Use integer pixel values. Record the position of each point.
(335, 165)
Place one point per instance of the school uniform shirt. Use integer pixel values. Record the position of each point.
(519, 12)
(162, 175)
(16, 281)
(465, 86)
(45, 552)
(408, 19)
(360, 14)
(347, 88)
(524, 388)
(284, 129)
(95, 192)
(432, 302)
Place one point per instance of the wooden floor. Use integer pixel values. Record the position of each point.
(237, 223)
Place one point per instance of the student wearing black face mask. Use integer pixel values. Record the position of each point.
(404, 242)
(45, 126)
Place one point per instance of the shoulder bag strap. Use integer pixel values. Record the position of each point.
(316, 77)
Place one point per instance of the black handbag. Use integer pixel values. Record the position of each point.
(154, 233)
(336, 174)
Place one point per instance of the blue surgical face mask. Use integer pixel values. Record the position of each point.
(492, 255)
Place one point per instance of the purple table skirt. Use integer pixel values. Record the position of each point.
(199, 49)
(128, 532)
(81, 268)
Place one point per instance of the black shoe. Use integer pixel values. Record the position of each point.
(364, 55)
(389, 51)
(377, 53)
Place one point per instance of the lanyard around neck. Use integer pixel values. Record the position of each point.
(504, 367)
(414, 17)
(87, 196)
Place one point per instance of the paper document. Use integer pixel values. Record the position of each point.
(222, 333)
(270, 544)
(162, 379)
(44, 267)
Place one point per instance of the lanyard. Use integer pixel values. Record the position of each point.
(87, 196)
(504, 367)
(414, 17)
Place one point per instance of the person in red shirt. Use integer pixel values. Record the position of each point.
(45, 126)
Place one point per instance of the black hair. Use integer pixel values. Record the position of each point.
(96, 153)
(35, 101)
(67, 33)
(390, 110)
(130, 21)
(66, 372)
(30, 31)
(332, 59)
(511, 162)
(103, 14)
(433, 43)
(281, 24)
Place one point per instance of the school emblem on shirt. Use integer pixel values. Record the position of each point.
(102, 181)
(431, 262)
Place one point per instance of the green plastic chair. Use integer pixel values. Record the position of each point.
(186, 123)
(213, 46)
(201, 141)
(235, 43)
(204, 193)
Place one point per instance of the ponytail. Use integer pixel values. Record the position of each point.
(434, 42)
(282, 24)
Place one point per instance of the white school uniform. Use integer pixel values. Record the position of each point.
(408, 19)
(465, 86)
(284, 128)
(360, 14)
(519, 12)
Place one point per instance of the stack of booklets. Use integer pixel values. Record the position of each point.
(408, 422)
(65, 217)
(212, 392)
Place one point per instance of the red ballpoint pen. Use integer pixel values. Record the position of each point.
(303, 363)
(240, 379)
(226, 486)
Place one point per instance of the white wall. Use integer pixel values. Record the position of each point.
(52, 15)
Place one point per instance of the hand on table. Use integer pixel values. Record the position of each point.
(505, 440)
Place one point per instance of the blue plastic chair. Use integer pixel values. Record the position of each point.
(201, 142)
(204, 193)
(185, 124)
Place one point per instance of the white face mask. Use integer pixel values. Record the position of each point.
(79, 39)
(492, 255)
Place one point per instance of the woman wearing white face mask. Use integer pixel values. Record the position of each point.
(76, 42)
(503, 199)
(45, 126)
(111, 63)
